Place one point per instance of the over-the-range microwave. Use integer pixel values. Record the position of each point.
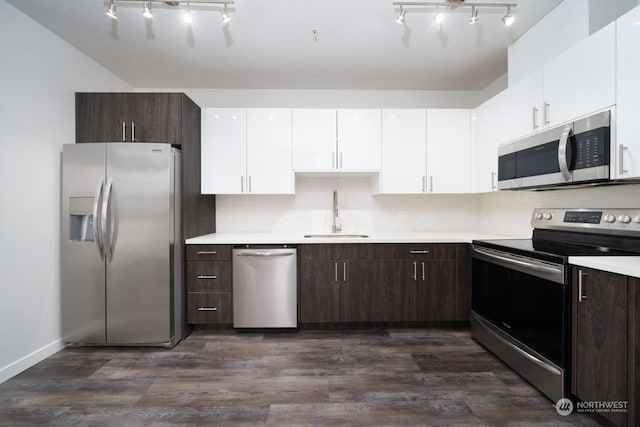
(577, 153)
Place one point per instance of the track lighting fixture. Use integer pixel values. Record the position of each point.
(446, 6)
(211, 5)
(508, 18)
(187, 15)
(400, 18)
(146, 10)
(225, 15)
(439, 16)
(474, 15)
(111, 12)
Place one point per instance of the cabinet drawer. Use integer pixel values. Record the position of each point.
(209, 276)
(418, 250)
(336, 251)
(208, 252)
(209, 307)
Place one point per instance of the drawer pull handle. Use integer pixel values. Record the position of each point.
(203, 276)
(207, 308)
(207, 252)
(418, 252)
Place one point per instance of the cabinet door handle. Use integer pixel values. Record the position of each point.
(241, 184)
(431, 184)
(424, 183)
(621, 169)
(581, 275)
(415, 270)
(493, 180)
(207, 308)
(344, 272)
(249, 184)
(124, 131)
(535, 118)
(207, 252)
(205, 276)
(423, 275)
(418, 252)
(333, 160)
(336, 265)
(133, 131)
(341, 160)
(547, 118)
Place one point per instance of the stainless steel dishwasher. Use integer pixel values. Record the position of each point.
(265, 287)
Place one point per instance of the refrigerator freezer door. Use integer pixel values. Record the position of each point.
(83, 269)
(138, 238)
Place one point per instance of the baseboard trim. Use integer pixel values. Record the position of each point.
(14, 368)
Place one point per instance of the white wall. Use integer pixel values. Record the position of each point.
(38, 78)
(509, 212)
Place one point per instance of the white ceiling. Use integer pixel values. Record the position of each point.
(269, 44)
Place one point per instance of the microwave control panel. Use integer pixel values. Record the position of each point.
(591, 148)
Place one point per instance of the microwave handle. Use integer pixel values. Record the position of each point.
(563, 162)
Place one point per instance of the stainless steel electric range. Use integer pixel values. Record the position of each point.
(521, 293)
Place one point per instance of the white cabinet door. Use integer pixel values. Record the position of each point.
(448, 151)
(269, 164)
(223, 150)
(627, 150)
(404, 144)
(314, 139)
(522, 107)
(583, 79)
(359, 139)
(485, 138)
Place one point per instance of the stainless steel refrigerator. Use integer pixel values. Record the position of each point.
(121, 244)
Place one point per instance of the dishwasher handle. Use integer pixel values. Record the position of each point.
(265, 252)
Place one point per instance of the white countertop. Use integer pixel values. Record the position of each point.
(298, 238)
(626, 265)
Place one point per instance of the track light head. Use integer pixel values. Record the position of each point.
(508, 18)
(474, 15)
(187, 15)
(146, 10)
(439, 16)
(111, 12)
(400, 18)
(225, 15)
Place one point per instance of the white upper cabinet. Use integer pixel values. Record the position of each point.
(404, 151)
(269, 150)
(314, 139)
(359, 140)
(522, 107)
(329, 140)
(571, 86)
(448, 151)
(627, 152)
(223, 167)
(246, 151)
(582, 80)
(485, 138)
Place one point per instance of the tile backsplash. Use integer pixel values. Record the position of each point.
(360, 211)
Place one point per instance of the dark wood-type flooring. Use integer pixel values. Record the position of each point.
(430, 377)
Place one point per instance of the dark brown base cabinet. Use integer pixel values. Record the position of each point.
(606, 341)
(338, 283)
(209, 284)
(384, 283)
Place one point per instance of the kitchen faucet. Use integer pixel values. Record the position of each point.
(335, 227)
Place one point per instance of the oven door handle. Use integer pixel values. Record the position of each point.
(533, 267)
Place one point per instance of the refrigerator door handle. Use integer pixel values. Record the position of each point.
(97, 230)
(106, 222)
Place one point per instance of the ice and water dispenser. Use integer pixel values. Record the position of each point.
(81, 219)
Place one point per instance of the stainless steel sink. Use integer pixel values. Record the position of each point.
(336, 236)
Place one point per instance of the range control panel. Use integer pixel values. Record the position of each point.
(616, 221)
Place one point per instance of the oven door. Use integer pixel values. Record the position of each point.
(520, 311)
